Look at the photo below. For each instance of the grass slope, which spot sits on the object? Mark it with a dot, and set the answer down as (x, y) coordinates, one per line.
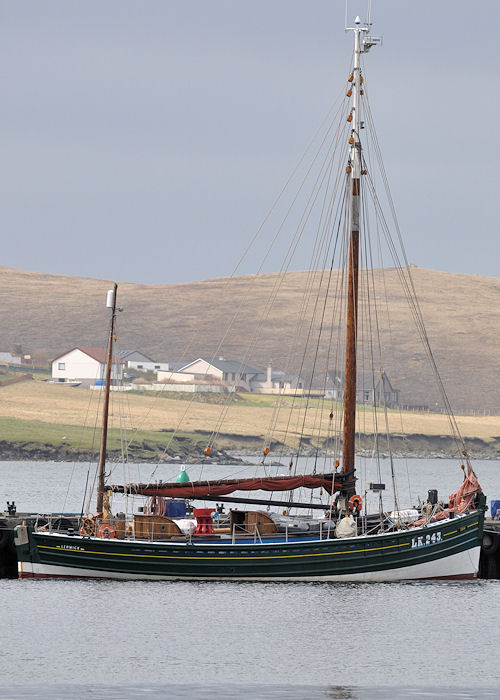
(39, 416)
(52, 313)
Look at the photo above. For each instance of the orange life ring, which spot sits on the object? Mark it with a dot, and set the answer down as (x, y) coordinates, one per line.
(106, 531)
(355, 503)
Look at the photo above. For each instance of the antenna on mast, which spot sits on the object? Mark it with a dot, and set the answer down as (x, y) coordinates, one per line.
(367, 24)
(369, 14)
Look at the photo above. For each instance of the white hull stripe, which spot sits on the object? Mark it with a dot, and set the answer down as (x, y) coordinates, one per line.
(461, 565)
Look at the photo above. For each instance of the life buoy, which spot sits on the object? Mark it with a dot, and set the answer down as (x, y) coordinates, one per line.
(355, 503)
(88, 528)
(107, 532)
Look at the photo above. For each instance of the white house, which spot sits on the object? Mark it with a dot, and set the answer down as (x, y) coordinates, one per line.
(369, 390)
(85, 365)
(230, 372)
(134, 359)
(276, 382)
(233, 373)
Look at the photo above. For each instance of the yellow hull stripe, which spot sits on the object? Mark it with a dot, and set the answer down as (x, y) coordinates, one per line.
(225, 558)
(454, 532)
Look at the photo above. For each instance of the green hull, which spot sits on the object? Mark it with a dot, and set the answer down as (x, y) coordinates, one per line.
(449, 549)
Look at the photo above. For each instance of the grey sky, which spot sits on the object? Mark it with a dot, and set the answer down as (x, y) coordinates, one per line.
(144, 141)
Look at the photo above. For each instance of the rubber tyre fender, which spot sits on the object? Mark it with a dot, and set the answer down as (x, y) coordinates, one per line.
(490, 543)
(4, 534)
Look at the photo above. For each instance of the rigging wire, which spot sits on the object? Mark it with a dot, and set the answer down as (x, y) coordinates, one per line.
(329, 189)
(404, 272)
(230, 325)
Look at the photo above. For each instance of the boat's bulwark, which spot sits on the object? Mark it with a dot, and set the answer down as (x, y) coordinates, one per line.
(447, 550)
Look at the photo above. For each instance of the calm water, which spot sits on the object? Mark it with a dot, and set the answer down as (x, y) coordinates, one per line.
(112, 639)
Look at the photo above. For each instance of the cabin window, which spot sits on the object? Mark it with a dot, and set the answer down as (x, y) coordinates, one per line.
(140, 366)
(61, 365)
(157, 366)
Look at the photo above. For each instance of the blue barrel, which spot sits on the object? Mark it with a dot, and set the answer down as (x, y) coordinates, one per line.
(495, 508)
(176, 509)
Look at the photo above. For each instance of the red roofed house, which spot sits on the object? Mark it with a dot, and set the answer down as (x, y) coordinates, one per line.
(85, 365)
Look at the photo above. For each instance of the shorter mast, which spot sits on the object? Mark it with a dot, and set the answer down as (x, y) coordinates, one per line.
(111, 303)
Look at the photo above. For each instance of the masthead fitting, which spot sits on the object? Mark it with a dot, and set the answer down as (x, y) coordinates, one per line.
(357, 20)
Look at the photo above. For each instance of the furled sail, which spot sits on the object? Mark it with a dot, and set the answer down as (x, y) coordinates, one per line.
(221, 487)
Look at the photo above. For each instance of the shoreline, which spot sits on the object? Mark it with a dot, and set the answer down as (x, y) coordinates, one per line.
(189, 451)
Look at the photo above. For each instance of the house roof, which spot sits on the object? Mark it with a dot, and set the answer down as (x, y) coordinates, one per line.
(98, 354)
(175, 366)
(125, 354)
(226, 366)
(364, 382)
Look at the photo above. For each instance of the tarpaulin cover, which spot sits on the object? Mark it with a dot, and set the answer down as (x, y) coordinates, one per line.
(222, 487)
(459, 501)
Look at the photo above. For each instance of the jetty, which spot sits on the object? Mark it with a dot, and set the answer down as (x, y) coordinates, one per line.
(10, 519)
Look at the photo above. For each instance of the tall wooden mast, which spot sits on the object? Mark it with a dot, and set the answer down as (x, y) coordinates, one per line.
(111, 303)
(362, 43)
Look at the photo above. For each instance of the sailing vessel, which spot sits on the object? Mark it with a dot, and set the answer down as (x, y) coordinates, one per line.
(346, 543)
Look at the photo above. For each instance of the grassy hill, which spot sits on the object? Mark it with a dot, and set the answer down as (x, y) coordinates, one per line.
(52, 313)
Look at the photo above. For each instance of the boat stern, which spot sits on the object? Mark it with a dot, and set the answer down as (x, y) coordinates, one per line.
(26, 550)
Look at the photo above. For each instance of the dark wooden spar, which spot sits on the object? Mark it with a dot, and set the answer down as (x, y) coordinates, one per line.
(105, 411)
(350, 361)
(354, 172)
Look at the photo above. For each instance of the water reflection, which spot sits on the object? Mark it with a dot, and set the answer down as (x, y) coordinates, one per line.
(228, 691)
(339, 692)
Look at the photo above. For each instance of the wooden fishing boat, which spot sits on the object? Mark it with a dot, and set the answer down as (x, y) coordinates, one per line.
(433, 541)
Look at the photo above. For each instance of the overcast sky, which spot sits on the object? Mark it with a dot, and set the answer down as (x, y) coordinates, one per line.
(144, 141)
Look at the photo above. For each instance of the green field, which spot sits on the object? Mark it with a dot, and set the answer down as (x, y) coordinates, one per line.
(37, 417)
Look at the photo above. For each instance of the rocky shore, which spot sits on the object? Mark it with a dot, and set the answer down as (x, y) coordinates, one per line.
(190, 451)
(187, 452)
